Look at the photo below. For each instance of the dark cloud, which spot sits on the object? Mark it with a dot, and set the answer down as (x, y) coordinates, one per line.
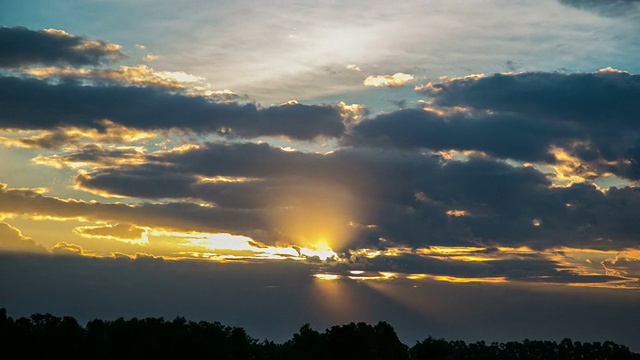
(261, 167)
(612, 8)
(93, 154)
(502, 136)
(297, 121)
(51, 140)
(158, 184)
(406, 195)
(606, 98)
(37, 104)
(20, 47)
(590, 116)
(173, 216)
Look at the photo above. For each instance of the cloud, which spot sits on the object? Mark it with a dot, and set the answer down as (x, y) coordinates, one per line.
(459, 264)
(403, 195)
(12, 240)
(65, 248)
(49, 140)
(395, 80)
(155, 108)
(353, 113)
(138, 75)
(395, 180)
(118, 231)
(501, 202)
(21, 47)
(93, 155)
(500, 135)
(612, 8)
(180, 76)
(548, 118)
(580, 97)
(171, 216)
(622, 265)
(151, 57)
(64, 136)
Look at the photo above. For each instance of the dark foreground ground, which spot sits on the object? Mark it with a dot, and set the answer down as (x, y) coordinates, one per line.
(46, 336)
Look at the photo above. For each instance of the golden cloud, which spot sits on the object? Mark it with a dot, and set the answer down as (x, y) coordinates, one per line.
(395, 80)
(12, 240)
(138, 74)
(65, 248)
(111, 133)
(118, 231)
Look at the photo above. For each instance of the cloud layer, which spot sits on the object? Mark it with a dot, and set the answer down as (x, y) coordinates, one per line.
(38, 104)
(411, 198)
(586, 119)
(505, 170)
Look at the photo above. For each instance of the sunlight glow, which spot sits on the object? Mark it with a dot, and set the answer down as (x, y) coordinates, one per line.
(456, 213)
(328, 277)
(322, 251)
(363, 276)
(454, 249)
(416, 276)
(225, 179)
(456, 279)
(179, 76)
(318, 221)
(223, 246)
(120, 232)
(110, 137)
(569, 169)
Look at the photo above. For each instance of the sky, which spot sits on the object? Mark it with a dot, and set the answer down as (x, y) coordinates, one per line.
(460, 169)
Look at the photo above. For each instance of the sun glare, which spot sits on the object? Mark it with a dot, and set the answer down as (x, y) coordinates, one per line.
(327, 276)
(316, 220)
(322, 251)
(224, 246)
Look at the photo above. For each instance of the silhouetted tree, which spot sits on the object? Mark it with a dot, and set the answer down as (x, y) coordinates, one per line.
(363, 341)
(431, 349)
(48, 336)
(306, 344)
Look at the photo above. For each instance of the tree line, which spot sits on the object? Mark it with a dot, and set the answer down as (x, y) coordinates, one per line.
(43, 336)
